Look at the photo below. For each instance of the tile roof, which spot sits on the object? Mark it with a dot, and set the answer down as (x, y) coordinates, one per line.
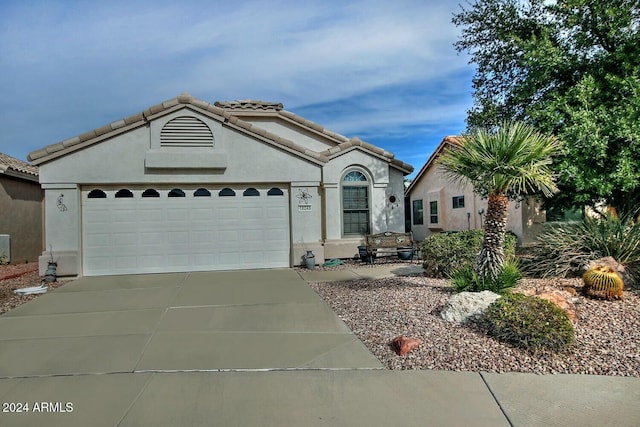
(231, 113)
(446, 141)
(249, 104)
(11, 164)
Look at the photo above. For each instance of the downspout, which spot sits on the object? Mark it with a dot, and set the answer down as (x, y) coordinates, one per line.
(323, 208)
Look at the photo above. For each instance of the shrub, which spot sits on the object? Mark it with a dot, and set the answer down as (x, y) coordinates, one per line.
(563, 247)
(530, 323)
(448, 252)
(466, 279)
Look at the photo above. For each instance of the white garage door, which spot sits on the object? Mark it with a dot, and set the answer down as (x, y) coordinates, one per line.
(184, 228)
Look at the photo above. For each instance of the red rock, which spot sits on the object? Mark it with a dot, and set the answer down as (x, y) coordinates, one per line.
(561, 301)
(403, 345)
(561, 298)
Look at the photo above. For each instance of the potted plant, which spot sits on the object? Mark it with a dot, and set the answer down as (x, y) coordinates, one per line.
(405, 253)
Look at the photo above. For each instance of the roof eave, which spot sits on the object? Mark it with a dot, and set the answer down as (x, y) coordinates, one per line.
(18, 174)
(447, 140)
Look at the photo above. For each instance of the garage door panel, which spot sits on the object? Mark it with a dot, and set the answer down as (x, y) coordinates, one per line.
(200, 214)
(163, 234)
(125, 261)
(149, 261)
(151, 238)
(150, 215)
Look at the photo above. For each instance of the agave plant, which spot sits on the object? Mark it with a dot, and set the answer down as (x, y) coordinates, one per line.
(565, 246)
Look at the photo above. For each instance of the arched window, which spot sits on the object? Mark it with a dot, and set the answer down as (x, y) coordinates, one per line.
(124, 193)
(226, 192)
(356, 215)
(251, 192)
(275, 191)
(97, 194)
(150, 192)
(176, 192)
(202, 192)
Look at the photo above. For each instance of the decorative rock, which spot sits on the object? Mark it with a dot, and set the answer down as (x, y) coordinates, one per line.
(563, 299)
(466, 304)
(403, 345)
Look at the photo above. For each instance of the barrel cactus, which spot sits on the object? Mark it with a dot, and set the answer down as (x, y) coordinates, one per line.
(602, 282)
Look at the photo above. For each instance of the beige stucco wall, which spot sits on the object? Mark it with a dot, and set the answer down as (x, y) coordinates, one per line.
(133, 158)
(382, 180)
(21, 219)
(291, 131)
(525, 219)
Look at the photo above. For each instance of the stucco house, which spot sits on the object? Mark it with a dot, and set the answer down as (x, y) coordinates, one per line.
(21, 206)
(437, 204)
(187, 185)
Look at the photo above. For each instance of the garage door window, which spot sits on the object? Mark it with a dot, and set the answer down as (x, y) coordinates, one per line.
(226, 192)
(202, 192)
(251, 192)
(176, 192)
(275, 192)
(97, 194)
(124, 193)
(150, 192)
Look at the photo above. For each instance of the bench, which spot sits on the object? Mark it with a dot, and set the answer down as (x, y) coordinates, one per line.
(389, 243)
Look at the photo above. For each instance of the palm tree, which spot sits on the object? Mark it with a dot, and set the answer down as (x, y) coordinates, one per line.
(501, 165)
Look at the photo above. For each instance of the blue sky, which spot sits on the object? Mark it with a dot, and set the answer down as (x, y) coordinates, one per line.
(384, 71)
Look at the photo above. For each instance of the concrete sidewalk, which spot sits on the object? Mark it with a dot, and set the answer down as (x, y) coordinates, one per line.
(252, 348)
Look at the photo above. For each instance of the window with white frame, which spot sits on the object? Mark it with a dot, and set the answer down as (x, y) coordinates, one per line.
(355, 204)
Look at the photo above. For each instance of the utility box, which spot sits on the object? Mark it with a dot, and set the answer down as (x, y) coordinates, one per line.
(5, 248)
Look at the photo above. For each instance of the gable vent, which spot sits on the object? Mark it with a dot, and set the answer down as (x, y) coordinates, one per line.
(186, 131)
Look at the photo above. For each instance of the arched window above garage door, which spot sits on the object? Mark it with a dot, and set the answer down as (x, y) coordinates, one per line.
(186, 131)
(275, 191)
(150, 192)
(124, 193)
(251, 192)
(202, 192)
(176, 192)
(97, 194)
(226, 192)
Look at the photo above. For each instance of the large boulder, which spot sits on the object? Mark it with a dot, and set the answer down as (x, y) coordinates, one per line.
(460, 307)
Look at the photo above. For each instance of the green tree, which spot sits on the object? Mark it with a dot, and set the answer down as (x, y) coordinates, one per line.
(503, 164)
(570, 68)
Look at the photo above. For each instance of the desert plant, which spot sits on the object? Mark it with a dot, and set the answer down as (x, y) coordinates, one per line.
(501, 164)
(562, 248)
(467, 279)
(602, 282)
(445, 253)
(4, 259)
(530, 323)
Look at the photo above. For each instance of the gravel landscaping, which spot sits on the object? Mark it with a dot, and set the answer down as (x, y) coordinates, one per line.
(19, 276)
(607, 332)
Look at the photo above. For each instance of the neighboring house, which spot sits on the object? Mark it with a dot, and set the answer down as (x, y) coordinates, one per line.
(437, 204)
(187, 185)
(21, 207)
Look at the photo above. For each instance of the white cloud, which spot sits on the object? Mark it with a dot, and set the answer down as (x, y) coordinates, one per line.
(86, 59)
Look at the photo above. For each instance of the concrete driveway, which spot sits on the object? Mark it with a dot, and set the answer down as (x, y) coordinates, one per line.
(178, 322)
(241, 348)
